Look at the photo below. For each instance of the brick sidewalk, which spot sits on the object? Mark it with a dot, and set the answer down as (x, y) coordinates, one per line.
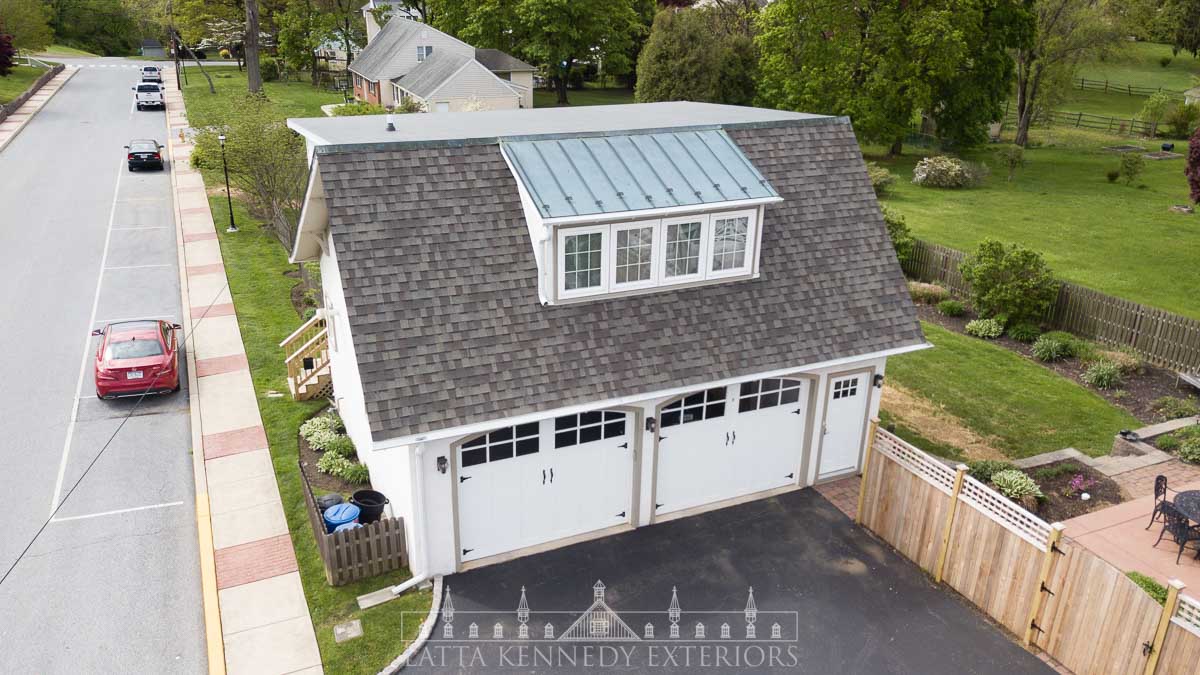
(264, 621)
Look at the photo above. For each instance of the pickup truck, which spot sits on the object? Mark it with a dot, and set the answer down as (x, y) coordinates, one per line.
(149, 95)
(151, 74)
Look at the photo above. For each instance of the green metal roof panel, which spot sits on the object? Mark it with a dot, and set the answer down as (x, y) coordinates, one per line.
(614, 173)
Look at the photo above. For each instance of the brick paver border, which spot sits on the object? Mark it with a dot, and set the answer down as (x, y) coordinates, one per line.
(255, 561)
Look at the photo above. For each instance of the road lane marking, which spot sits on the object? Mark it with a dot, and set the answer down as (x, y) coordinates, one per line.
(136, 267)
(148, 227)
(116, 512)
(87, 346)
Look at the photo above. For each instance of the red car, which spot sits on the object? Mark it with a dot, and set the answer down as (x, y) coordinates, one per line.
(137, 357)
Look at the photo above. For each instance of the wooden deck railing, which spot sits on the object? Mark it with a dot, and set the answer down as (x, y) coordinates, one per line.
(307, 351)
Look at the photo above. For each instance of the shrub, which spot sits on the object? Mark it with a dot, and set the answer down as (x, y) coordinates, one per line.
(355, 473)
(358, 108)
(1012, 280)
(332, 464)
(327, 422)
(929, 294)
(1102, 374)
(1126, 361)
(902, 239)
(1048, 348)
(1013, 158)
(947, 172)
(951, 308)
(1189, 450)
(1024, 332)
(881, 178)
(982, 470)
(1112, 175)
(269, 68)
(7, 54)
(342, 445)
(1153, 111)
(1052, 472)
(224, 53)
(1164, 61)
(1168, 443)
(1152, 587)
(1188, 433)
(988, 329)
(1171, 407)
(1132, 164)
(1183, 119)
(321, 439)
(1014, 484)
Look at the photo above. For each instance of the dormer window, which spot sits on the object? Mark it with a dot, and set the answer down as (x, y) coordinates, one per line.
(424, 52)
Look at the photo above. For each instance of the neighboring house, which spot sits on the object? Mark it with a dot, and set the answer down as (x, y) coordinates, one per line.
(407, 59)
(152, 48)
(560, 323)
(333, 52)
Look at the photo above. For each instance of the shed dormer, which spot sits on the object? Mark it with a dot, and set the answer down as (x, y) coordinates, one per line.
(630, 212)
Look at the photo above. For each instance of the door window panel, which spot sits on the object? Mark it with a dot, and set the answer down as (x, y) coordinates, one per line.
(768, 393)
(702, 405)
(587, 427)
(501, 444)
(845, 388)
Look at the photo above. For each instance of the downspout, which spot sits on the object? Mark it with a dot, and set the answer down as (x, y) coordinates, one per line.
(419, 530)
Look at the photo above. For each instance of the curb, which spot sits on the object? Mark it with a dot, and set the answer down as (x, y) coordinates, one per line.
(213, 635)
(435, 606)
(70, 71)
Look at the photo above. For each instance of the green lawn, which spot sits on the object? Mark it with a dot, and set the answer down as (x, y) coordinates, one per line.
(255, 263)
(18, 81)
(1099, 103)
(294, 99)
(1027, 409)
(544, 98)
(1137, 63)
(63, 50)
(1115, 238)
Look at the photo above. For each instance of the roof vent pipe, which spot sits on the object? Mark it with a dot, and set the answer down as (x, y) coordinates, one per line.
(391, 119)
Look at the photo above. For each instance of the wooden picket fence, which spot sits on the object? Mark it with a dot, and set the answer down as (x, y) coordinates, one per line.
(1165, 339)
(357, 553)
(1020, 570)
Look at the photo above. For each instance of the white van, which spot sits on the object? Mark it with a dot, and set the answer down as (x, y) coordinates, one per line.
(149, 95)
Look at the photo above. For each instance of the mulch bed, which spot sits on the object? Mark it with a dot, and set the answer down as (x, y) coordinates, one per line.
(1058, 505)
(1136, 394)
(321, 483)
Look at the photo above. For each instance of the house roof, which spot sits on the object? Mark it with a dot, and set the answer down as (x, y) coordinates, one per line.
(500, 62)
(432, 73)
(382, 58)
(634, 171)
(441, 285)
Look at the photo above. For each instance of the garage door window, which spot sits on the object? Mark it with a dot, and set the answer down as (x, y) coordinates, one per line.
(702, 405)
(768, 393)
(587, 427)
(501, 444)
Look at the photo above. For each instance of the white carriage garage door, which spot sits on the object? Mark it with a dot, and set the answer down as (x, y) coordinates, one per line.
(728, 442)
(534, 483)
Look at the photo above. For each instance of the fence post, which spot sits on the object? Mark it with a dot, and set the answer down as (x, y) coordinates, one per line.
(1174, 586)
(1056, 533)
(862, 487)
(960, 474)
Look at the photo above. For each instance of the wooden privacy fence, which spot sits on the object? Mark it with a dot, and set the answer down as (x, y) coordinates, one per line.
(1165, 339)
(357, 553)
(1020, 570)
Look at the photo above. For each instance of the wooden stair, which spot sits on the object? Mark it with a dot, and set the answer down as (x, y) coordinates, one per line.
(307, 360)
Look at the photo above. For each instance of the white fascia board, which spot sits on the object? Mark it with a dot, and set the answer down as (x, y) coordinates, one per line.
(307, 134)
(630, 400)
(664, 212)
(313, 209)
(538, 232)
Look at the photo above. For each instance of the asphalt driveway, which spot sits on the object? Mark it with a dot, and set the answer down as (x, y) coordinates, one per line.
(843, 603)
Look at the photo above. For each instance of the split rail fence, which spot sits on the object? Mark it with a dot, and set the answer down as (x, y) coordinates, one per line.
(1165, 339)
(358, 553)
(1131, 126)
(1123, 88)
(1020, 570)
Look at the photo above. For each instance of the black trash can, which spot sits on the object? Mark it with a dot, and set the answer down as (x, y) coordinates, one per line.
(370, 503)
(326, 501)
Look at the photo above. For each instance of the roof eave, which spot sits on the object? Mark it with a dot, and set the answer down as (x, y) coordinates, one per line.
(314, 220)
(662, 212)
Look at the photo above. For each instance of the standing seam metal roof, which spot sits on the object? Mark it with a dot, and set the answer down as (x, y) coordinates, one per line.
(631, 171)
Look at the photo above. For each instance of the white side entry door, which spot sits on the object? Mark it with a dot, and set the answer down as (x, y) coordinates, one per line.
(845, 422)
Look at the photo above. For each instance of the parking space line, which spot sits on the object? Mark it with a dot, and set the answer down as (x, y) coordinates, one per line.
(87, 346)
(147, 227)
(136, 267)
(116, 512)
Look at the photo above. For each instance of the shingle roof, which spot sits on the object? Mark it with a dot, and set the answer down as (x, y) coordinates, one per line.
(380, 60)
(442, 299)
(634, 171)
(432, 72)
(498, 61)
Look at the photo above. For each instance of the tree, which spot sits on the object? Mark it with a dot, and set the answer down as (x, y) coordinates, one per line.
(348, 24)
(6, 54)
(302, 30)
(1012, 157)
(1183, 18)
(1068, 31)
(105, 27)
(691, 56)
(492, 24)
(1155, 109)
(253, 73)
(1011, 280)
(561, 33)
(1192, 170)
(27, 23)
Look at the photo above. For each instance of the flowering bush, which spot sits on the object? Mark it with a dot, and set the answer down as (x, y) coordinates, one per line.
(1079, 483)
(1014, 484)
(948, 172)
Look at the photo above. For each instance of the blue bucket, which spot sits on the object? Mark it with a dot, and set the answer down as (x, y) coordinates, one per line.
(347, 526)
(340, 514)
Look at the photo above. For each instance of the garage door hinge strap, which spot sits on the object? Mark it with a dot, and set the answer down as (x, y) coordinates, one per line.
(462, 478)
(467, 550)
(658, 506)
(1033, 625)
(1046, 590)
(621, 515)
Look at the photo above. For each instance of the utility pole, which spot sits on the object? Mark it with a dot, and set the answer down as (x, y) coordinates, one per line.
(174, 43)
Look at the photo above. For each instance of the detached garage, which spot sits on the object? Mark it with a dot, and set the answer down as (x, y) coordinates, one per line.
(550, 325)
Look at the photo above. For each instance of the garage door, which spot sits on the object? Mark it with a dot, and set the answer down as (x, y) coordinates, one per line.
(534, 483)
(728, 442)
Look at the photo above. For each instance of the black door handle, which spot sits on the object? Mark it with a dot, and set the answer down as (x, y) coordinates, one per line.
(735, 438)
(543, 476)
(727, 438)
(551, 474)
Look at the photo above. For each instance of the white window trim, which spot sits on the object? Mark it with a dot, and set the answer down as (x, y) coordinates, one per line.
(702, 266)
(605, 261)
(655, 248)
(751, 216)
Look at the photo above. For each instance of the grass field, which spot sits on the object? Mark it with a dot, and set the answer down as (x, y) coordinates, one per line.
(544, 98)
(255, 263)
(1137, 63)
(294, 99)
(1026, 409)
(1116, 238)
(63, 50)
(18, 81)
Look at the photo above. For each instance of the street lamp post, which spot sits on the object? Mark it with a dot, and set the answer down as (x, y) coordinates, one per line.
(228, 197)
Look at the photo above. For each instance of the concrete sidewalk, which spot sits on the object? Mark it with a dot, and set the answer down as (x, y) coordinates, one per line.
(13, 124)
(249, 565)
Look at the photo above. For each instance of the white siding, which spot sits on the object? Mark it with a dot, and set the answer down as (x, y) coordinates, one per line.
(343, 366)
(525, 81)
(406, 57)
(475, 81)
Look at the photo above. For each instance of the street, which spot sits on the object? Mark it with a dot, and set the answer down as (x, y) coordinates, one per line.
(112, 582)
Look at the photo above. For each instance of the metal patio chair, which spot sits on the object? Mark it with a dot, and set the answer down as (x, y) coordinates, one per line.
(1180, 529)
(1160, 498)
